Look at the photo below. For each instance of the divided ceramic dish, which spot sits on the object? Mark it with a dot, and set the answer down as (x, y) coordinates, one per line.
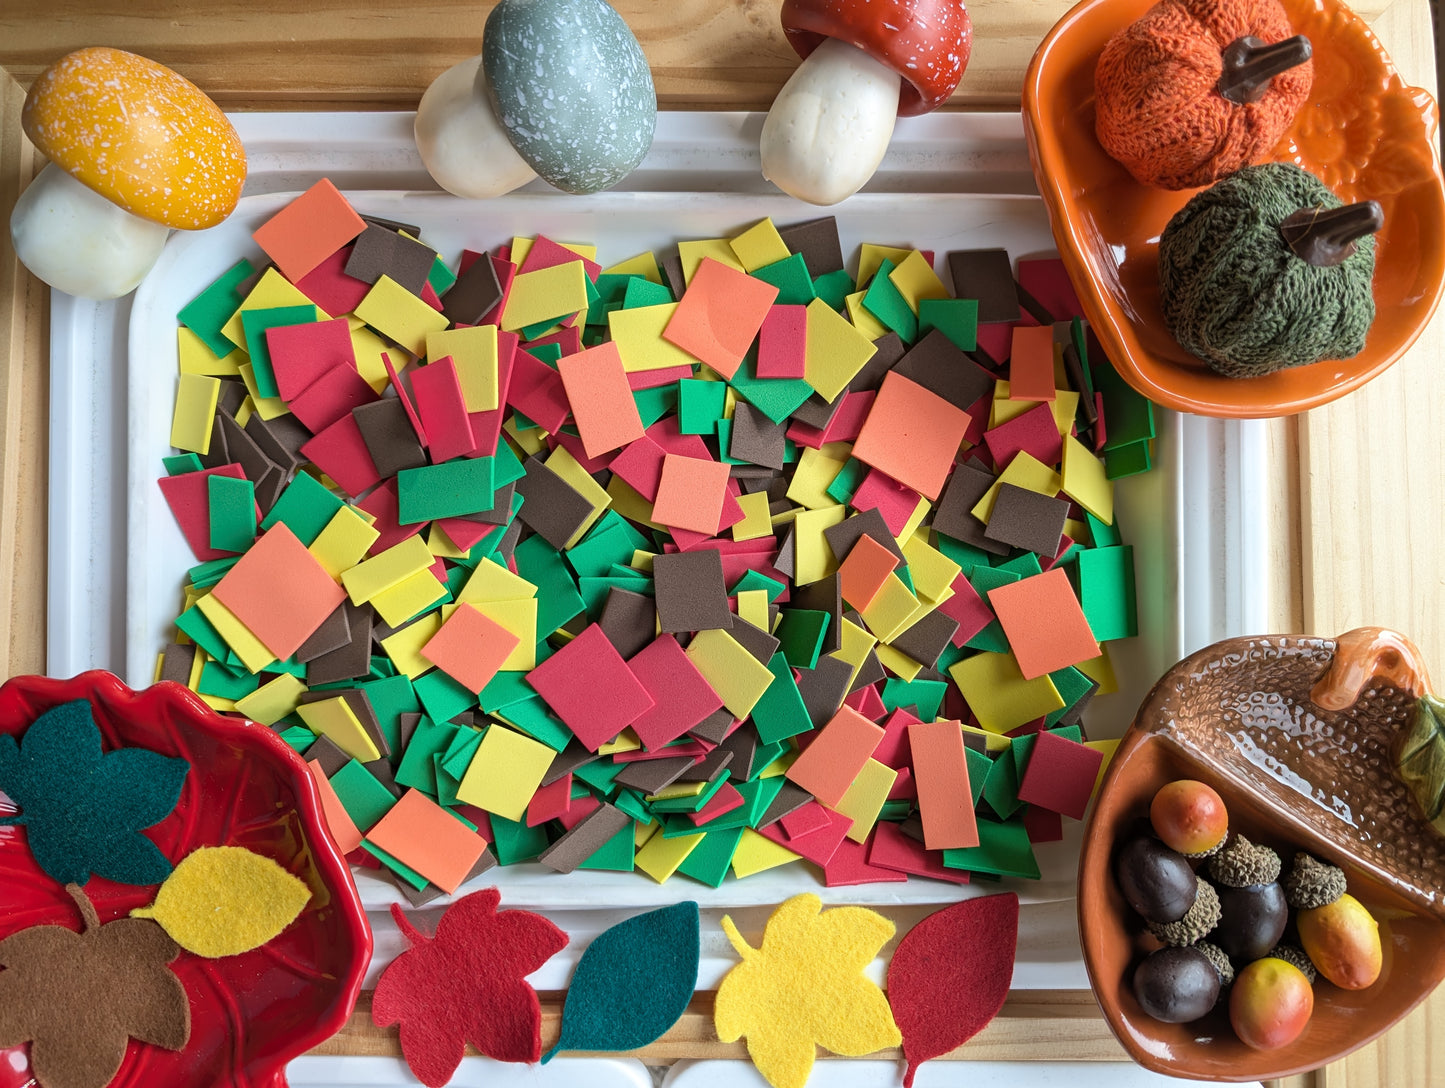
(1365, 133)
(1248, 716)
(251, 1013)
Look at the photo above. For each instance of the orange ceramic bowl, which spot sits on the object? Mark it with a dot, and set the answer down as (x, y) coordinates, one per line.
(1240, 716)
(1363, 132)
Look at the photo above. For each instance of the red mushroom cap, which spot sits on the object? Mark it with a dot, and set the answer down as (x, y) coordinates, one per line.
(926, 42)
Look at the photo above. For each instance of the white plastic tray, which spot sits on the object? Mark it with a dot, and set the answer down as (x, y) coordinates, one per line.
(949, 181)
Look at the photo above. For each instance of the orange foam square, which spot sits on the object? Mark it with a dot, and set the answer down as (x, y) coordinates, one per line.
(601, 398)
(690, 494)
(864, 570)
(308, 230)
(911, 434)
(280, 591)
(719, 315)
(1044, 623)
(1031, 363)
(940, 773)
(338, 821)
(421, 834)
(470, 647)
(827, 767)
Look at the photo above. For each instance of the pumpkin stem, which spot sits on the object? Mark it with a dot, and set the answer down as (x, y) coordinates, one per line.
(1250, 63)
(1324, 237)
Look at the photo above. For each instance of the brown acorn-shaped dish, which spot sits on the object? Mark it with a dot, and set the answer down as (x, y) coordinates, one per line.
(1331, 746)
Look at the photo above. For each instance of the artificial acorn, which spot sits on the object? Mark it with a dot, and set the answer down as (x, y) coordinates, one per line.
(1198, 921)
(1313, 883)
(1295, 955)
(1252, 908)
(1266, 270)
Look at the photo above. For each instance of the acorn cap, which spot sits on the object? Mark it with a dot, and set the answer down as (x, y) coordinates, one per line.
(1313, 883)
(1294, 955)
(1219, 959)
(1200, 855)
(140, 135)
(1242, 863)
(1199, 921)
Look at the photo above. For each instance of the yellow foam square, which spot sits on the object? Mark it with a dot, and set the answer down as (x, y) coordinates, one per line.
(737, 676)
(889, 610)
(866, 324)
(815, 471)
(387, 569)
(814, 559)
(1002, 409)
(245, 411)
(640, 560)
(626, 741)
(932, 571)
(343, 543)
(530, 440)
(676, 790)
(1066, 406)
(638, 333)
(780, 765)
(474, 354)
(491, 581)
(993, 742)
(217, 703)
(441, 545)
(854, 645)
(408, 597)
(1101, 669)
(644, 265)
(334, 719)
(520, 618)
(661, 856)
(915, 279)
(195, 412)
(238, 636)
(404, 646)
(863, 800)
(1084, 481)
(998, 694)
(759, 246)
(580, 480)
(642, 832)
(393, 311)
(504, 773)
(194, 357)
(273, 700)
(898, 663)
(756, 853)
(266, 407)
(1107, 749)
(271, 290)
(834, 350)
(757, 520)
(1025, 471)
(627, 502)
(367, 347)
(753, 607)
(545, 293)
(871, 257)
(692, 253)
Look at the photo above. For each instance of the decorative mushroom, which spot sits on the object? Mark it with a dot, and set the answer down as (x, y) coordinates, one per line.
(135, 150)
(561, 89)
(1266, 270)
(865, 62)
(1196, 89)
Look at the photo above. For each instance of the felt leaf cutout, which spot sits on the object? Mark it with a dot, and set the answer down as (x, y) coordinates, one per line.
(225, 900)
(633, 982)
(805, 985)
(467, 985)
(951, 974)
(82, 808)
(77, 998)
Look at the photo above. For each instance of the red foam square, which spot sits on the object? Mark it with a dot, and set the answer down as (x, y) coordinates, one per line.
(1043, 622)
(892, 849)
(681, 697)
(188, 496)
(1048, 281)
(1036, 432)
(719, 314)
(487, 426)
(893, 749)
(551, 802)
(895, 502)
(443, 410)
(308, 230)
(848, 420)
(341, 453)
(1060, 775)
(537, 392)
(300, 354)
(331, 288)
(850, 866)
(279, 591)
(804, 821)
(968, 608)
(591, 688)
(911, 434)
(640, 466)
(725, 800)
(783, 342)
(332, 395)
(868, 702)
(545, 253)
(381, 504)
(690, 494)
(470, 647)
(816, 846)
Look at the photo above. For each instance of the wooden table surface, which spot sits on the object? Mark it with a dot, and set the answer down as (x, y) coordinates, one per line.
(1357, 534)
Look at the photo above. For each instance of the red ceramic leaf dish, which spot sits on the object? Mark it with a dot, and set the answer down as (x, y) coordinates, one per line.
(1365, 133)
(250, 1014)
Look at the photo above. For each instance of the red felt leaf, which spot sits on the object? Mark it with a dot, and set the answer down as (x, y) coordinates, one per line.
(951, 974)
(467, 985)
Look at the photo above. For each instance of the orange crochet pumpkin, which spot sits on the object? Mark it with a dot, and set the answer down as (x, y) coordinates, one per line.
(1197, 89)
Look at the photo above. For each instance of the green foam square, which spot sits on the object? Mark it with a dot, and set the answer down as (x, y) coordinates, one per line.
(800, 635)
(365, 799)
(447, 490)
(1107, 592)
(441, 277)
(1022, 748)
(691, 804)
(225, 683)
(532, 717)
(616, 854)
(211, 571)
(231, 504)
(1128, 416)
(611, 290)
(1003, 849)
(641, 291)
(548, 353)
(459, 753)
(754, 580)
(557, 598)
(631, 802)
(599, 774)
(447, 784)
(178, 464)
(390, 698)
(776, 398)
(513, 841)
(255, 323)
(298, 738)
(956, 318)
(1072, 685)
(926, 695)
(1128, 460)
(834, 288)
(979, 766)
(725, 443)
(780, 712)
(709, 860)
(443, 697)
(1101, 534)
(195, 626)
(653, 404)
(1025, 565)
(790, 277)
(417, 771)
(207, 313)
(700, 405)
(965, 555)
(397, 866)
(504, 689)
(886, 303)
(306, 507)
(848, 480)
(1001, 787)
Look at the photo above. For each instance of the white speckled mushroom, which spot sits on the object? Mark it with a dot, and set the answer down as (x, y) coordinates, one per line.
(865, 62)
(135, 151)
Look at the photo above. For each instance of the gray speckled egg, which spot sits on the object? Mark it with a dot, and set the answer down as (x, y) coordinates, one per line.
(571, 87)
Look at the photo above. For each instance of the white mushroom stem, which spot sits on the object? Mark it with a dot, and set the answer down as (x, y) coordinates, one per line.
(830, 124)
(78, 242)
(462, 143)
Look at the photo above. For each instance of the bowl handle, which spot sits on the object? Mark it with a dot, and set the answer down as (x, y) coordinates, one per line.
(1370, 654)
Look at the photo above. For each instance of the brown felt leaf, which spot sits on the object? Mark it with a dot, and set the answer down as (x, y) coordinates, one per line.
(78, 997)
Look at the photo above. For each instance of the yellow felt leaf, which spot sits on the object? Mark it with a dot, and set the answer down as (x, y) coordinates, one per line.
(225, 900)
(805, 985)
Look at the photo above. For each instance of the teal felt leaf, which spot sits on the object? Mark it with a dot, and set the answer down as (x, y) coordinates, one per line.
(82, 808)
(633, 982)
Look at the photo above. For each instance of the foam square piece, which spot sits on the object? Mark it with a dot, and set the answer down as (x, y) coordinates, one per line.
(437, 391)
(682, 697)
(986, 275)
(601, 398)
(864, 571)
(545, 294)
(505, 771)
(393, 311)
(302, 353)
(691, 592)
(279, 591)
(1060, 775)
(999, 695)
(1031, 364)
(1085, 481)
(940, 366)
(738, 677)
(690, 494)
(940, 771)
(911, 435)
(470, 647)
(308, 230)
(782, 342)
(590, 687)
(719, 314)
(1035, 431)
(338, 392)
(1025, 519)
(427, 838)
(378, 251)
(1044, 623)
(836, 351)
(828, 766)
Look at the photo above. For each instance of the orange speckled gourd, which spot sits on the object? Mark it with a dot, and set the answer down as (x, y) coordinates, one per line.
(1158, 110)
(139, 134)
